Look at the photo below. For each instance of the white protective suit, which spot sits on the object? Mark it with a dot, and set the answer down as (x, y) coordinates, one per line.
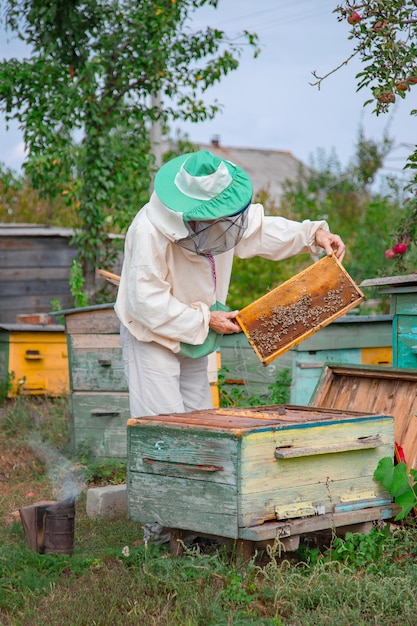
(165, 295)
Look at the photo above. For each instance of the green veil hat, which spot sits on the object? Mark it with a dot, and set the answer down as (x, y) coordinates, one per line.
(203, 187)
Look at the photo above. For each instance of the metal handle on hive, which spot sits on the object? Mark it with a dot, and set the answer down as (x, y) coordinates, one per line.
(186, 466)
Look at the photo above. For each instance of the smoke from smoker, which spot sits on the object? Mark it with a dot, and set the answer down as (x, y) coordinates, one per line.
(68, 480)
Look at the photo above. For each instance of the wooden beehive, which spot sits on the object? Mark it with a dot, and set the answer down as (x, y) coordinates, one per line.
(35, 263)
(33, 359)
(99, 399)
(301, 306)
(403, 306)
(230, 472)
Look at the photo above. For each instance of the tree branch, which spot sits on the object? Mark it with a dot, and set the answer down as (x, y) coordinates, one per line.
(321, 78)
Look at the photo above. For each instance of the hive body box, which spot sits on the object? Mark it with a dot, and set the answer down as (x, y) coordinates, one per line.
(229, 472)
(404, 310)
(34, 359)
(403, 307)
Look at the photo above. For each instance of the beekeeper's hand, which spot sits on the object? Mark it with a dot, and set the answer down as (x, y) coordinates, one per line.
(330, 243)
(224, 322)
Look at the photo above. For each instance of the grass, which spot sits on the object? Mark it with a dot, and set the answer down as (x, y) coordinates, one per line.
(113, 578)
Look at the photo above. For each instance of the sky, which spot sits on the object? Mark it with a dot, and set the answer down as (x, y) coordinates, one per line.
(269, 102)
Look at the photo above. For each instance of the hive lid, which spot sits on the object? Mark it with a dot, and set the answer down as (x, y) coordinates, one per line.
(382, 281)
(239, 420)
(32, 328)
(301, 306)
(377, 389)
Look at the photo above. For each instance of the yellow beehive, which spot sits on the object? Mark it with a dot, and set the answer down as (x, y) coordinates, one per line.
(34, 359)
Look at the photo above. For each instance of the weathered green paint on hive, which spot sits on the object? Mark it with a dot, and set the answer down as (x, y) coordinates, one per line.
(196, 505)
(403, 300)
(184, 476)
(171, 449)
(96, 363)
(405, 341)
(218, 482)
(98, 421)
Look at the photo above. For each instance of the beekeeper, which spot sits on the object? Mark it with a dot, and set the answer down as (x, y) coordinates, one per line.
(175, 278)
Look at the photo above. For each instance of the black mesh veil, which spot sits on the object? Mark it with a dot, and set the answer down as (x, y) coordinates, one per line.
(215, 236)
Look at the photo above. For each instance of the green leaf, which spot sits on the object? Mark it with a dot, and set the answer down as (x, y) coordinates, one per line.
(397, 480)
(400, 480)
(407, 502)
(394, 478)
(384, 472)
